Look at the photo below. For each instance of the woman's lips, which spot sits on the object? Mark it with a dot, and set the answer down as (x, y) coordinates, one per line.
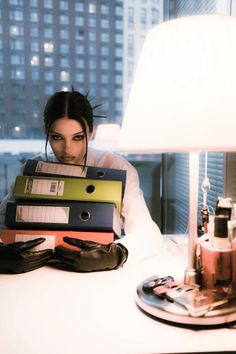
(67, 158)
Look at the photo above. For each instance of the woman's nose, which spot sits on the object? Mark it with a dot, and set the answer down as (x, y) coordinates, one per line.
(67, 146)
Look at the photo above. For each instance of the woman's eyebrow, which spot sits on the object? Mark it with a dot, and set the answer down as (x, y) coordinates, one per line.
(55, 132)
(81, 132)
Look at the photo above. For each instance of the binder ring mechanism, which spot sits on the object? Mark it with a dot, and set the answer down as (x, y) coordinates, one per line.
(90, 188)
(100, 173)
(85, 215)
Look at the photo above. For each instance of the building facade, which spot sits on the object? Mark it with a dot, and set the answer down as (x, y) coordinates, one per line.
(51, 45)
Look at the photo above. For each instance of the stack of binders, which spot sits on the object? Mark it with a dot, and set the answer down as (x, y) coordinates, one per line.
(54, 200)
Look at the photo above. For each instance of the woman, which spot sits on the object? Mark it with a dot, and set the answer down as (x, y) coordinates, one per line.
(68, 122)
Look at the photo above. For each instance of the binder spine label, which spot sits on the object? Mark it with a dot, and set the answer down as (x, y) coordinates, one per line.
(44, 186)
(59, 169)
(43, 214)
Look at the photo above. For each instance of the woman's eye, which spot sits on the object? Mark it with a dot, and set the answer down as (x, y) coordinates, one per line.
(56, 137)
(78, 137)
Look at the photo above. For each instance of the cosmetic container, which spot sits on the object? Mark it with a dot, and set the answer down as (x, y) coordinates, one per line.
(220, 239)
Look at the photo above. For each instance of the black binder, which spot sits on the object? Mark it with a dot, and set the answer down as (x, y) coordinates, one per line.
(84, 216)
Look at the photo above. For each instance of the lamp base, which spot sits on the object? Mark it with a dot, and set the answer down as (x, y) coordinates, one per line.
(172, 312)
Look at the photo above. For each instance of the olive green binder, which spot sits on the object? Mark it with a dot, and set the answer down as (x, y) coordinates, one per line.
(60, 188)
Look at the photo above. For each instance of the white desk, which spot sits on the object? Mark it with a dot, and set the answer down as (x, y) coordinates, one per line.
(57, 312)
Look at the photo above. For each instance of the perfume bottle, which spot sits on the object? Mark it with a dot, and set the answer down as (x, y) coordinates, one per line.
(220, 238)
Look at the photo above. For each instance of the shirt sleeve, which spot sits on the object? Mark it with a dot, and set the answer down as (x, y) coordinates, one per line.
(143, 237)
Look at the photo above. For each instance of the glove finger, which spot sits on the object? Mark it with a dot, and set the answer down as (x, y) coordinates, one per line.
(24, 246)
(80, 243)
(38, 255)
(123, 254)
(37, 263)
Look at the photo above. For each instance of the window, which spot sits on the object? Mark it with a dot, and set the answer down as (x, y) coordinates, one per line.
(64, 76)
(16, 15)
(17, 74)
(16, 30)
(64, 63)
(17, 59)
(34, 16)
(48, 33)
(17, 44)
(34, 46)
(48, 75)
(48, 47)
(48, 61)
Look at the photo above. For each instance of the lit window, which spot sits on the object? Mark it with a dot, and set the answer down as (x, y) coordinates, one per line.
(64, 88)
(64, 76)
(16, 30)
(92, 8)
(34, 61)
(48, 47)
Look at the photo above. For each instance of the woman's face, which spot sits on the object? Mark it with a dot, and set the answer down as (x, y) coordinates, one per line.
(68, 140)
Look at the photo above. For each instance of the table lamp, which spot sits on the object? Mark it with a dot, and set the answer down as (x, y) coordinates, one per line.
(183, 99)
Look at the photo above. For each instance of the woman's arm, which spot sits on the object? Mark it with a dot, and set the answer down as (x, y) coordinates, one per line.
(143, 237)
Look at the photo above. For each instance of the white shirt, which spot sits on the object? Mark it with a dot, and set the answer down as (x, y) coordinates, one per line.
(142, 235)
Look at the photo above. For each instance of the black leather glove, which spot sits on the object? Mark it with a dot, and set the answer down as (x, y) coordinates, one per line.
(90, 257)
(17, 257)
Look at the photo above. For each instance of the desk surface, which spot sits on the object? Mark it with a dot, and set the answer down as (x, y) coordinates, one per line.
(57, 312)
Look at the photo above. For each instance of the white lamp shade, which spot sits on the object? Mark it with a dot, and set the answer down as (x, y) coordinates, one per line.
(184, 92)
(106, 137)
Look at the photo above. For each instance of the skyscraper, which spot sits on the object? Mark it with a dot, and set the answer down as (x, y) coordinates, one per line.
(50, 45)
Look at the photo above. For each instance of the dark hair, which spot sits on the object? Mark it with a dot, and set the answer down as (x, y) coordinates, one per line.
(71, 104)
